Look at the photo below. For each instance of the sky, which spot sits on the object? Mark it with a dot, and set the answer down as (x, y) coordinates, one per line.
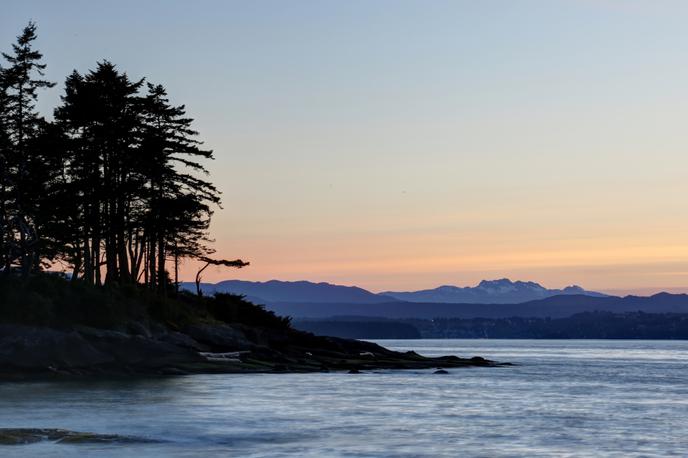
(400, 145)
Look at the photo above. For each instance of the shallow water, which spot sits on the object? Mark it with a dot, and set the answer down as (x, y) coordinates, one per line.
(565, 398)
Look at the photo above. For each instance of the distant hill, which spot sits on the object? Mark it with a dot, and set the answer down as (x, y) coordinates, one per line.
(292, 291)
(554, 307)
(503, 291)
(585, 325)
(303, 299)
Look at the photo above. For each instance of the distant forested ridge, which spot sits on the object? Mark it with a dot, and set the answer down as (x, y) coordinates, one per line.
(587, 325)
(553, 307)
(112, 190)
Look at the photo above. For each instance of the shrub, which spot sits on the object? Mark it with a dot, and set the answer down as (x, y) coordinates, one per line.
(50, 299)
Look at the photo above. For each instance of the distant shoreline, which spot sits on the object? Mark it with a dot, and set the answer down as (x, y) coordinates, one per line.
(587, 325)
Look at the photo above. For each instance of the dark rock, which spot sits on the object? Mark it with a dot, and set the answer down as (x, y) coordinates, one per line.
(20, 436)
(138, 329)
(181, 340)
(202, 348)
(34, 347)
(354, 371)
(440, 371)
(219, 337)
(173, 371)
(140, 351)
(42, 349)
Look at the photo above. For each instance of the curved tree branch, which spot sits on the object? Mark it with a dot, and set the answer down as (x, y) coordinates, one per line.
(237, 263)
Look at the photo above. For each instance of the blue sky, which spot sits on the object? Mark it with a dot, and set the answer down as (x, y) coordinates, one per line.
(406, 144)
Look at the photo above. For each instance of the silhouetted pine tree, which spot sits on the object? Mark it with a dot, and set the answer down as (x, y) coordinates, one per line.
(6, 256)
(99, 114)
(180, 199)
(21, 80)
(114, 187)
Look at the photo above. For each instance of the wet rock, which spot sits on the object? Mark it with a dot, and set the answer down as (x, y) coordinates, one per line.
(86, 351)
(138, 351)
(173, 371)
(354, 371)
(46, 348)
(138, 329)
(181, 340)
(219, 337)
(440, 371)
(480, 361)
(202, 348)
(20, 436)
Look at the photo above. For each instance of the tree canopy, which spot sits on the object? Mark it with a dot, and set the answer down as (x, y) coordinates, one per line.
(113, 188)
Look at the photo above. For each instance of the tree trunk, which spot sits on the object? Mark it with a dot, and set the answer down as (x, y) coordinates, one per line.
(176, 269)
(162, 281)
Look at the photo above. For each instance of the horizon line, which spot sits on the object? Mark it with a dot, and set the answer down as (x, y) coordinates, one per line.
(640, 291)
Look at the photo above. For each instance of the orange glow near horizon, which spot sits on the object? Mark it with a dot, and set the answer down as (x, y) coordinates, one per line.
(603, 264)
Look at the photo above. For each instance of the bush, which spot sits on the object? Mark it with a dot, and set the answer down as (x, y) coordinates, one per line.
(50, 299)
(233, 308)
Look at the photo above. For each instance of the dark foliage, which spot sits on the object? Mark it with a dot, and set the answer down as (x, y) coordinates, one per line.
(114, 190)
(587, 325)
(232, 308)
(50, 299)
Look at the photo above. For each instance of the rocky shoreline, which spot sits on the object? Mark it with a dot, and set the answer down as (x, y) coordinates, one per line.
(35, 351)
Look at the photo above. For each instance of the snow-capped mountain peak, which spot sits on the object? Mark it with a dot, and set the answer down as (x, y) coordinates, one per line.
(500, 291)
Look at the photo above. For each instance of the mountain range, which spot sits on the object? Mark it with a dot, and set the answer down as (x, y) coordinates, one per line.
(489, 299)
(291, 291)
(503, 291)
(551, 307)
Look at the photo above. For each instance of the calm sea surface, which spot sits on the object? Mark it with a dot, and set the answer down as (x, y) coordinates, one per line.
(565, 398)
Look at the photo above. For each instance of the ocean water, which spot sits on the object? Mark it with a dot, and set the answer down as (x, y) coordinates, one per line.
(564, 398)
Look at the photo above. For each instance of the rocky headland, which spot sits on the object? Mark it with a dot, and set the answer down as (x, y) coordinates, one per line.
(52, 327)
(200, 348)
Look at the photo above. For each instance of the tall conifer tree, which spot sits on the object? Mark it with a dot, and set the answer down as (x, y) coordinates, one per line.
(21, 79)
(115, 187)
